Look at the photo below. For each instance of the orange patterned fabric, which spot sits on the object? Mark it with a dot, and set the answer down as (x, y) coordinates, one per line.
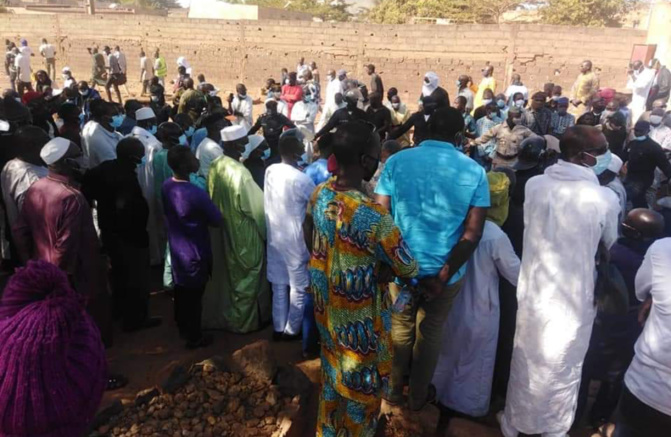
(352, 237)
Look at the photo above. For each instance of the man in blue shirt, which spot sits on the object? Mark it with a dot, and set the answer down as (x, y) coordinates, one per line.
(441, 215)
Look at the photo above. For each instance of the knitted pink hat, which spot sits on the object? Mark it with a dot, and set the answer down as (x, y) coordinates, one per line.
(52, 361)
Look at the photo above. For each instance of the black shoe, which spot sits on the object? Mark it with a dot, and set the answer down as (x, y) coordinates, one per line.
(278, 336)
(287, 337)
(430, 398)
(149, 322)
(204, 341)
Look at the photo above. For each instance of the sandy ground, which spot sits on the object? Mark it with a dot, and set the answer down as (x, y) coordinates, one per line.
(148, 357)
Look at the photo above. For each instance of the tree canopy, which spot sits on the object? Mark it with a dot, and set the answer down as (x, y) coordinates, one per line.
(152, 4)
(567, 12)
(327, 11)
(586, 12)
(459, 11)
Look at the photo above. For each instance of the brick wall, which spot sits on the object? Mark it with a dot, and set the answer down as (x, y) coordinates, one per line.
(228, 52)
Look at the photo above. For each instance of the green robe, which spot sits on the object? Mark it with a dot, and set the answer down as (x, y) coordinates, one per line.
(237, 298)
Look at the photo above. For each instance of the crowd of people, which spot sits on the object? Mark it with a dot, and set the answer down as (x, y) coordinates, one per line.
(499, 246)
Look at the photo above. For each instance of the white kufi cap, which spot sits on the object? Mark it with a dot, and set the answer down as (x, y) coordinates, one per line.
(144, 114)
(54, 150)
(232, 133)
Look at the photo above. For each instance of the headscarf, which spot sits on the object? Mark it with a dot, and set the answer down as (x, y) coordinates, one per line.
(499, 194)
(434, 82)
(52, 360)
(607, 94)
(182, 62)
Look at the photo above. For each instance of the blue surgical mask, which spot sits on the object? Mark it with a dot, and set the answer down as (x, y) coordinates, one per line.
(189, 132)
(266, 153)
(602, 163)
(501, 103)
(183, 140)
(152, 130)
(142, 163)
(641, 138)
(117, 120)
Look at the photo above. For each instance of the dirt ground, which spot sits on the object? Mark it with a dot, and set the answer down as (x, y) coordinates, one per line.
(147, 358)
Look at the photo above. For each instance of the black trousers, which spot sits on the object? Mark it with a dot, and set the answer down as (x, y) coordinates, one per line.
(130, 280)
(636, 191)
(610, 352)
(188, 311)
(636, 419)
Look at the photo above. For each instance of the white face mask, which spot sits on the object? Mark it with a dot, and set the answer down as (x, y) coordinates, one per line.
(486, 102)
(656, 119)
(519, 103)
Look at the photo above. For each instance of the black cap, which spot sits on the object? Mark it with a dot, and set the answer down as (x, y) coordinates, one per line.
(531, 151)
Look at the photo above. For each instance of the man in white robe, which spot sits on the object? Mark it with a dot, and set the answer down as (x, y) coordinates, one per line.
(286, 193)
(567, 215)
(335, 85)
(241, 106)
(99, 139)
(210, 148)
(463, 376)
(144, 131)
(640, 82)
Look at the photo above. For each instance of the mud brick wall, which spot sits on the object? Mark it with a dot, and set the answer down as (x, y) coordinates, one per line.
(228, 52)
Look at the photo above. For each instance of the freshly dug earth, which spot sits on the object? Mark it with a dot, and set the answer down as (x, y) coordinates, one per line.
(211, 403)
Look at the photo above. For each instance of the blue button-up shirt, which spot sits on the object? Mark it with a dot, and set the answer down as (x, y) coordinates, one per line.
(432, 187)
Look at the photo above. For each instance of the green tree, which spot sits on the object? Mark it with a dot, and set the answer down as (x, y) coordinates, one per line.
(458, 11)
(152, 4)
(586, 12)
(326, 10)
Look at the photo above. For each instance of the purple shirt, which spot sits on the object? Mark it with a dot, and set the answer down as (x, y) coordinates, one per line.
(188, 214)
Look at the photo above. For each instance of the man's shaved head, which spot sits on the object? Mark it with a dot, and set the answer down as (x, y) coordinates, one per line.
(643, 224)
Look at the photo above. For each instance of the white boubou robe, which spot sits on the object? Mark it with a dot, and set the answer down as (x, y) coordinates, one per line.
(640, 88)
(145, 173)
(463, 376)
(566, 215)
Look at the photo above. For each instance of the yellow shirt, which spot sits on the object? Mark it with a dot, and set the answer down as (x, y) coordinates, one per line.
(486, 83)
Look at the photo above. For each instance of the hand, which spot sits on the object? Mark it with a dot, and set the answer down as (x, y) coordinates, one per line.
(644, 312)
(576, 102)
(229, 99)
(431, 287)
(444, 274)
